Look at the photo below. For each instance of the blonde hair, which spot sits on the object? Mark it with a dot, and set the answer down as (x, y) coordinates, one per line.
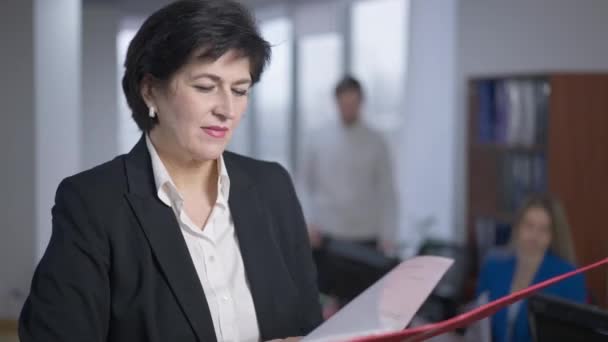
(561, 241)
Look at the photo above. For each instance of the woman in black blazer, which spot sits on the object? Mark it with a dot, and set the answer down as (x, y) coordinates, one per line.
(178, 240)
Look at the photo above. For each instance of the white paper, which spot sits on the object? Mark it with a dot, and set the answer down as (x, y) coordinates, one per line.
(388, 305)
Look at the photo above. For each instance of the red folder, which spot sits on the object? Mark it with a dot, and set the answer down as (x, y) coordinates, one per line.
(427, 331)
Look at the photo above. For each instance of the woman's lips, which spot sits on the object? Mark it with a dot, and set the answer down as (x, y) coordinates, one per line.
(216, 131)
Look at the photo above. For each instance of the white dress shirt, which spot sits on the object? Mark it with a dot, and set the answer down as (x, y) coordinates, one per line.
(346, 183)
(216, 256)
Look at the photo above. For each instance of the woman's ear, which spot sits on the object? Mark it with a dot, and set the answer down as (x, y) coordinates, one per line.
(146, 89)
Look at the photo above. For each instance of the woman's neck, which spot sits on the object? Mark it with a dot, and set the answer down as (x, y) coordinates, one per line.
(529, 260)
(188, 174)
(526, 268)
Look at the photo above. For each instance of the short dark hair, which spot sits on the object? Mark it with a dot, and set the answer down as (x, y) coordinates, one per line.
(169, 37)
(348, 83)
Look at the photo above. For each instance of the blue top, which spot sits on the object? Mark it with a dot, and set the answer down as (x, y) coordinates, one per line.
(496, 278)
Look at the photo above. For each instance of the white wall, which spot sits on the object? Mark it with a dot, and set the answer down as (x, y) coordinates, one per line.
(57, 87)
(55, 122)
(17, 187)
(100, 126)
(496, 36)
(427, 138)
(532, 35)
(326, 16)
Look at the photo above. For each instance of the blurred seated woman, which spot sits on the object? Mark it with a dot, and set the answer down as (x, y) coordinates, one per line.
(541, 249)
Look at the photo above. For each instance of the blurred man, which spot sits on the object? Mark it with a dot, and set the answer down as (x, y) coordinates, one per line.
(346, 178)
(348, 195)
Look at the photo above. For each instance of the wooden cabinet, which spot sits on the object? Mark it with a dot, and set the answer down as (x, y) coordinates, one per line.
(568, 159)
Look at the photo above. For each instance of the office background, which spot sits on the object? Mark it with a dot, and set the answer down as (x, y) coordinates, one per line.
(63, 110)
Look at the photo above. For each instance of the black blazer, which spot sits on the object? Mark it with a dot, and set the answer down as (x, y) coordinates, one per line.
(117, 267)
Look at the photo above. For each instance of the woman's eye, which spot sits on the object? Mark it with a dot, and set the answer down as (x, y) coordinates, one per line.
(240, 92)
(204, 88)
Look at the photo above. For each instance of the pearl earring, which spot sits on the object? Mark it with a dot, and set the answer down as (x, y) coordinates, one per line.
(151, 113)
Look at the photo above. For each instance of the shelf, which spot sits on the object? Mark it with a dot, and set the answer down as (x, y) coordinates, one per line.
(503, 216)
(509, 148)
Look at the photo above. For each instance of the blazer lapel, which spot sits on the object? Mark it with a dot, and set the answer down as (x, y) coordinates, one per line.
(261, 255)
(163, 233)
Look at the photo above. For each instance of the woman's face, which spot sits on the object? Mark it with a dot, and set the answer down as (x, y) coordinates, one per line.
(534, 231)
(200, 107)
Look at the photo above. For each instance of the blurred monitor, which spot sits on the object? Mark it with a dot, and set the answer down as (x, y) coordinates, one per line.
(354, 268)
(555, 319)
